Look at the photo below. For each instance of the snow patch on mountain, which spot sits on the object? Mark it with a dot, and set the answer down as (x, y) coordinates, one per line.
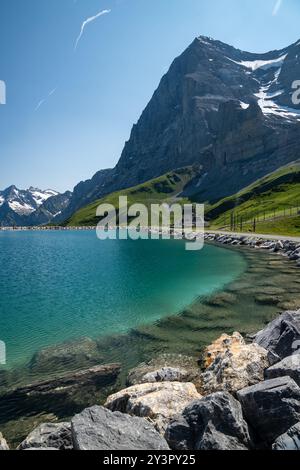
(41, 196)
(261, 64)
(268, 106)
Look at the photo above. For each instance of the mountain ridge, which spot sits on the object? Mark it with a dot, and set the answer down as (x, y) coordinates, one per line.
(225, 110)
(31, 206)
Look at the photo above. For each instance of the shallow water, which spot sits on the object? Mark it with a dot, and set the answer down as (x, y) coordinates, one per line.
(266, 285)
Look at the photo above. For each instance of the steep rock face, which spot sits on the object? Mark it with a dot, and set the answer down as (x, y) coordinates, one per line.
(227, 110)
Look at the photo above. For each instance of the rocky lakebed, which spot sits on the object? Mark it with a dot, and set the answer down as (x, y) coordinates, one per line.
(243, 395)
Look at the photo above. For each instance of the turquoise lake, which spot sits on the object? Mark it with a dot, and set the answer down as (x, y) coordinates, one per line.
(58, 286)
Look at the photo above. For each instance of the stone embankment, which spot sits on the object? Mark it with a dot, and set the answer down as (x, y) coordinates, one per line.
(241, 395)
(285, 247)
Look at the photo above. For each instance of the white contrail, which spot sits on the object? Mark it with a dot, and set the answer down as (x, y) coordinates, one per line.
(277, 7)
(44, 99)
(86, 22)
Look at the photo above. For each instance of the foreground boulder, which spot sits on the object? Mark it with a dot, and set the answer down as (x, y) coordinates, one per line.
(49, 435)
(290, 440)
(213, 423)
(165, 368)
(3, 443)
(159, 402)
(271, 407)
(281, 336)
(290, 366)
(233, 365)
(97, 428)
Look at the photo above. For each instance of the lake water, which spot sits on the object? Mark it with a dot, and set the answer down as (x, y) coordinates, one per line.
(58, 286)
(135, 300)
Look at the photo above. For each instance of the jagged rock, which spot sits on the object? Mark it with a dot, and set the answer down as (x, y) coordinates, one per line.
(220, 346)
(271, 407)
(213, 423)
(79, 353)
(290, 366)
(98, 428)
(290, 440)
(159, 402)
(281, 336)
(235, 365)
(180, 368)
(3, 443)
(49, 435)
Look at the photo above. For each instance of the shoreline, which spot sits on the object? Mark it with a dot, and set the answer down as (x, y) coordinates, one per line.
(207, 232)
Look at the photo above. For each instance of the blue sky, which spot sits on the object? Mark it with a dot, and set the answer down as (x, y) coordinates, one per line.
(68, 111)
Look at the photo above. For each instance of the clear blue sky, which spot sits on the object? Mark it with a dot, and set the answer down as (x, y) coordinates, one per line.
(103, 86)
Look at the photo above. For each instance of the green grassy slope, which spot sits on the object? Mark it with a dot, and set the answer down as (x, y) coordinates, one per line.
(270, 205)
(157, 191)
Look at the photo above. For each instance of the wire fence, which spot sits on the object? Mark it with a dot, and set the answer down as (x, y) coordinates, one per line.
(240, 220)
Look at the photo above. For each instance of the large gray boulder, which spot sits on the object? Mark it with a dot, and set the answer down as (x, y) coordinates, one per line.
(290, 440)
(290, 366)
(98, 428)
(49, 435)
(213, 423)
(3, 443)
(281, 336)
(271, 407)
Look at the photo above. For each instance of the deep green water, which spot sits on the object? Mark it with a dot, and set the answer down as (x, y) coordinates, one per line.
(58, 286)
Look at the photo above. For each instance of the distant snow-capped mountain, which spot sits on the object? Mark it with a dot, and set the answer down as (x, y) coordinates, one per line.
(32, 206)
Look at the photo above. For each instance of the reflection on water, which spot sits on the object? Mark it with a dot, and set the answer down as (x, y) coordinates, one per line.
(269, 285)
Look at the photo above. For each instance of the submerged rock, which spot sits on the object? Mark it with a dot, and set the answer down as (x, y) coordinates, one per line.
(49, 435)
(281, 336)
(98, 428)
(103, 375)
(3, 443)
(221, 299)
(213, 423)
(165, 368)
(234, 365)
(290, 366)
(159, 402)
(290, 440)
(271, 407)
(80, 353)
